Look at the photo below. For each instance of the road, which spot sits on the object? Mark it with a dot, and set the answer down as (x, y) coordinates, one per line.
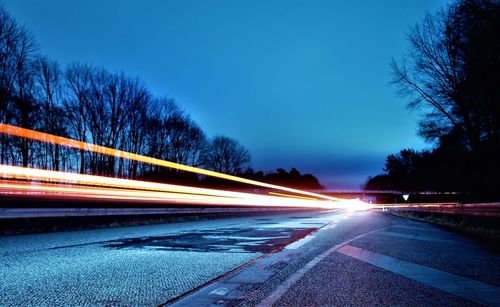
(336, 258)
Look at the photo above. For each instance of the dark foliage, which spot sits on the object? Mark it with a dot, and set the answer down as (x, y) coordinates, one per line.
(443, 169)
(451, 74)
(290, 179)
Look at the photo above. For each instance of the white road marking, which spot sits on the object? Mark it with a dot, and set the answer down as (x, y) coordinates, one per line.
(300, 242)
(331, 225)
(470, 289)
(220, 291)
(280, 291)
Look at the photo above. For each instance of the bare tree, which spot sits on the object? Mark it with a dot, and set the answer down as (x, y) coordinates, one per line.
(172, 135)
(135, 133)
(429, 74)
(226, 155)
(94, 105)
(451, 74)
(104, 106)
(17, 104)
(436, 72)
(157, 132)
(197, 145)
(9, 38)
(49, 79)
(79, 92)
(25, 104)
(186, 140)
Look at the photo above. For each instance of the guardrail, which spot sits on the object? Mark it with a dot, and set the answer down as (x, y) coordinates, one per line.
(479, 209)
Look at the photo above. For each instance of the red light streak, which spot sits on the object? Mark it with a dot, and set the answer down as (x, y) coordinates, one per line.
(62, 141)
(78, 186)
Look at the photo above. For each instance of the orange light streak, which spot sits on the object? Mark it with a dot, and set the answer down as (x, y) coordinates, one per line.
(15, 172)
(89, 186)
(62, 141)
(292, 196)
(86, 192)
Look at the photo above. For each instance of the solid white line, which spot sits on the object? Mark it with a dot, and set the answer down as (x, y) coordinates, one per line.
(280, 291)
(473, 290)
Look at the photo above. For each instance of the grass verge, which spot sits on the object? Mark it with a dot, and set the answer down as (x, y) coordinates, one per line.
(483, 228)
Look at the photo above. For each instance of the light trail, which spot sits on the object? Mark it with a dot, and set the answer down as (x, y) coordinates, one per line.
(15, 172)
(81, 186)
(67, 142)
(292, 196)
(99, 187)
(158, 197)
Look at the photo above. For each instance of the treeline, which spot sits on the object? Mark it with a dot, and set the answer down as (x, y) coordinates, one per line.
(444, 169)
(290, 179)
(451, 73)
(94, 105)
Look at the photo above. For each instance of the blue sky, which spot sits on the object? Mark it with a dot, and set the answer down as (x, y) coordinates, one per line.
(301, 84)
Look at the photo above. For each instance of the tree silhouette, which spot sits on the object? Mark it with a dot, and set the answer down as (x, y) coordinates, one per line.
(451, 74)
(94, 105)
(226, 155)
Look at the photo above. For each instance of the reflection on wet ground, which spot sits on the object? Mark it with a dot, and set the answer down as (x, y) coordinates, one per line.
(233, 240)
(140, 265)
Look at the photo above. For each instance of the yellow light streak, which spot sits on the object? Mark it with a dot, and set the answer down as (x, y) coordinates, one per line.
(86, 192)
(15, 172)
(292, 196)
(77, 192)
(67, 142)
(143, 189)
(89, 186)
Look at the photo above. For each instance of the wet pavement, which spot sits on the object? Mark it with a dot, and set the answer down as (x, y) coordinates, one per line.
(141, 265)
(315, 259)
(230, 240)
(364, 259)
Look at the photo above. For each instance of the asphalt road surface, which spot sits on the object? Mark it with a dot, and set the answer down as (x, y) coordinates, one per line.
(360, 258)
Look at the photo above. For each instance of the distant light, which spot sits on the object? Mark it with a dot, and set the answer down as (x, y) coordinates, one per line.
(62, 141)
(116, 188)
(78, 186)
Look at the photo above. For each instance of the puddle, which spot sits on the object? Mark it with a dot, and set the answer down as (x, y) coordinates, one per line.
(232, 240)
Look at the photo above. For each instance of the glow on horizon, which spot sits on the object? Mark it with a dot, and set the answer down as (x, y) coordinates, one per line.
(75, 185)
(79, 186)
(71, 143)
